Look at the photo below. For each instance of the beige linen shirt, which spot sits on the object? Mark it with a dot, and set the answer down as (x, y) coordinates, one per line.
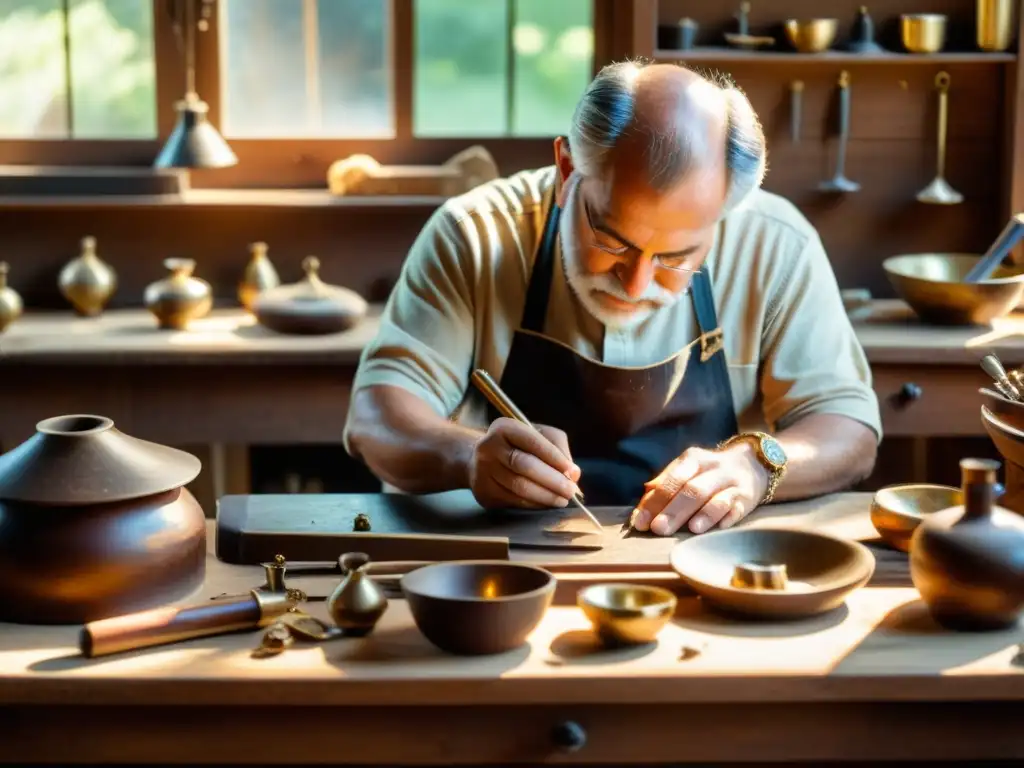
(789, 345)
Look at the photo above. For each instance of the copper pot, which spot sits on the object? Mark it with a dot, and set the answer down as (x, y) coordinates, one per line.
(95, 523)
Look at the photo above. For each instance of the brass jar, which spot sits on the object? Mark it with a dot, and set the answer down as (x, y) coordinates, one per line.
(357, 603)
(87, 282)
(179, 298)
(10, 301)
(258, 277)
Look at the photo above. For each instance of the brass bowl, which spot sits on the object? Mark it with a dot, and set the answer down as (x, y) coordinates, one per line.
(476, 607)
(811, 35)
(626, 614)
(932, 284)
(820, 570)
(923, 32)
(897, 510)
(1007, 411)
(1008, 440)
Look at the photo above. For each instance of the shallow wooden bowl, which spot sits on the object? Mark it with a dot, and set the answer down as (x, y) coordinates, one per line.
(477, 607)
(897, 510)
(626, 614)
(820, 570)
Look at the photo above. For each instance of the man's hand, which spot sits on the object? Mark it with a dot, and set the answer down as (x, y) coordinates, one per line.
(703, 488)
(513, 466)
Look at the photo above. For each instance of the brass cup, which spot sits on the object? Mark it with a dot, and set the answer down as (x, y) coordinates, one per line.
(626, 614)
(897, 510)
(811, 35)
(995, 24)
(923, 32)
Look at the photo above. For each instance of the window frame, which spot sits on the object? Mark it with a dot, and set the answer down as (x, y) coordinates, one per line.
(303, 162)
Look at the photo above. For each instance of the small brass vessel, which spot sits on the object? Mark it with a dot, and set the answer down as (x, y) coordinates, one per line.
(897, 510)
(179, 298)
(995, 24)
(87, 282)
(923, 32)
(811, 35)
(357, 603)
(258, 277)
(759, 576)
(10, 302)
(626, 614)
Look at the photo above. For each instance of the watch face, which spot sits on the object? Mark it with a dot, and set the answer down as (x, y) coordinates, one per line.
(773, 451)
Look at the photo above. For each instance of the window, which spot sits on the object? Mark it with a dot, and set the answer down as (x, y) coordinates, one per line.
(480, 68)
(294, 68)
(82, 69)
(501, 67)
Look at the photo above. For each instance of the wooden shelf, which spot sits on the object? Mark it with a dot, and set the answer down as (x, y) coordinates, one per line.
(223, 198)
(733, 54)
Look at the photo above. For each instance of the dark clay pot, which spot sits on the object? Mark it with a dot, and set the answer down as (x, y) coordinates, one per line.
(968, 561)
(95, 523)
(72, 565)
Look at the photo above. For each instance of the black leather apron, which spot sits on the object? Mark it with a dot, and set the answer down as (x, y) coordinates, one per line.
(624, 424)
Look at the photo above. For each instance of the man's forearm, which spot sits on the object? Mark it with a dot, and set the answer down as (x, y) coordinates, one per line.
(406, 444)
(826, 453)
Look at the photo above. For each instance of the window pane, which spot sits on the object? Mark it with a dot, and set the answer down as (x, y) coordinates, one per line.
(554, 50)
(113, 75)
(113, 72)
(461, 68)
(313, 68)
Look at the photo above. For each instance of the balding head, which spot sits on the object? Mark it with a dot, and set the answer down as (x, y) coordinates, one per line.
(665, 123)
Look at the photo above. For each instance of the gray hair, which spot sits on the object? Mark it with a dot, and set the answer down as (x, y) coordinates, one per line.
(606, 113)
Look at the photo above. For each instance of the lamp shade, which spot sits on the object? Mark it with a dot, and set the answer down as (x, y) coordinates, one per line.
(195, 143)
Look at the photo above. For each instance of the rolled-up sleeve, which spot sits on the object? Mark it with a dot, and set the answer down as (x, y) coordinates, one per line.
(812, 361)
(426, 336)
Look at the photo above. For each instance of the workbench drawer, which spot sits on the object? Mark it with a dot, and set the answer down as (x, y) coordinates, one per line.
(929, 400)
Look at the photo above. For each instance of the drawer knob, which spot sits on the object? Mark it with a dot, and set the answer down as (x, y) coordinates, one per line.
(910, 392)
(569, 736)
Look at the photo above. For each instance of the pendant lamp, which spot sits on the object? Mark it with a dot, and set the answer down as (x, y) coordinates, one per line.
(194, 143)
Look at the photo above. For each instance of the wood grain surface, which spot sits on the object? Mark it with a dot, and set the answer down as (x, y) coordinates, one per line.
(816, 690)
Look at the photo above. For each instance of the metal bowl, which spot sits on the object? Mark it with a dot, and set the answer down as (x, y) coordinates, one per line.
(811, 35)
(1008, 440)
(1007, 411)
(626, 614)
(932, 284)
(818, 571)
(897, 510)
(923, 32)
(476, 607)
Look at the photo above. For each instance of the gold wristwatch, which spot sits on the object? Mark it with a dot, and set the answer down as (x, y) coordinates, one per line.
(769, 452)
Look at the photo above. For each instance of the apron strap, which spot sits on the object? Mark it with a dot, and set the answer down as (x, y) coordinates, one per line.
(711, 340)
(539, 290)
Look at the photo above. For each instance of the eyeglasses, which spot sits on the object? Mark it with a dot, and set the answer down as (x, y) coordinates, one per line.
(623, 251)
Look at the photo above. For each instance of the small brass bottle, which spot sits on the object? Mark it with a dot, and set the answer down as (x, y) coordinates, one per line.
(87, 282)
(259, 275)
(179, 298)
(10, 301)
(357, 603)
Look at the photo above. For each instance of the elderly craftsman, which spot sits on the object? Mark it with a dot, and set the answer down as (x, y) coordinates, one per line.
(646, 302)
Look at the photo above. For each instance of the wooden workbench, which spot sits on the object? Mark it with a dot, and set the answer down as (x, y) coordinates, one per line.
(874, 680)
